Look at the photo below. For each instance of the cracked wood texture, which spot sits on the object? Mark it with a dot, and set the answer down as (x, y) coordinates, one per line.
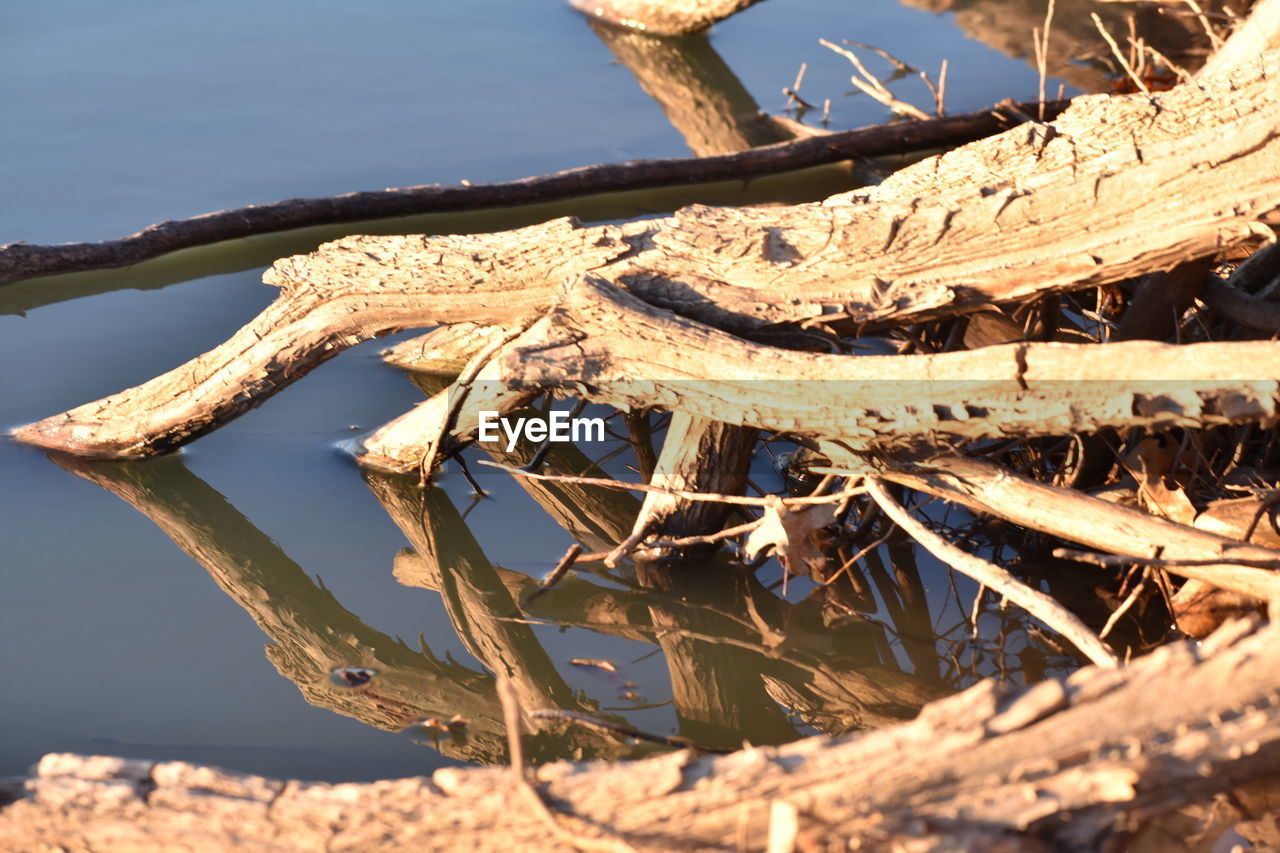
(601, 343)
(1067, 764)
(1116, 187)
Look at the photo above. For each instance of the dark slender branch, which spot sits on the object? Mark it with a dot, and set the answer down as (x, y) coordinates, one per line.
(627, 731)
(1109, 561)
(566, 563)
(20, 261)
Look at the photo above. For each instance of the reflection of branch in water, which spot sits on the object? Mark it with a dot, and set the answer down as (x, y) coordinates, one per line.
(626, 731)
(700, 94)
(1076, 53)
(720, 663)
(477, 600)
(312, 631)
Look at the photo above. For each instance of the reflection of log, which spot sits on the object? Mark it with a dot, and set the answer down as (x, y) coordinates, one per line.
(1069, 764)
(1034, 210)
(718, 694)
(479, 603)
(715, 114)
(595, 516)
(700, 94)
(698, 455)
(1006, 25)
(311, 631)
(574, 603)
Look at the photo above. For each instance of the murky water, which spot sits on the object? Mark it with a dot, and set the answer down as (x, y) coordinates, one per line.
(195, 606)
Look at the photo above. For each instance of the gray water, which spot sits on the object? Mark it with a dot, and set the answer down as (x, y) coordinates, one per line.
(112, 639)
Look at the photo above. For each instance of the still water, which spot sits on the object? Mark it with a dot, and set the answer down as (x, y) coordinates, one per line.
(200, 618)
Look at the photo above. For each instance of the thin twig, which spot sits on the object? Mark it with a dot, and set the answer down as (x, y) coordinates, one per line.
(626, 546)
(1124, 607)
(793, 92)
(562, 567)
(541, 455)
(1115, 49)
(512, 716)
(1041, 40)
(942, 88)
(1184, 76)
(1214, 39)
(714, 497)
(1035, 602)
(872, 86)
(706, 539)
(976, 611)
(1111, 561)
(883, 54)
(462, 389)
(849, 563)
(627, 731)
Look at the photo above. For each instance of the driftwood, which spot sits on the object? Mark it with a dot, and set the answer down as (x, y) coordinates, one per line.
(986, 769)
(662, 17)
(20, 261)
(1034, 210)
(602, 343)
(1076, 517)
(709, 313)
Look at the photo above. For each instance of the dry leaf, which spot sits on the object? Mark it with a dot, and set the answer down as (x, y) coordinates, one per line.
(1199, 608)
(794, 534)
(1149, 462)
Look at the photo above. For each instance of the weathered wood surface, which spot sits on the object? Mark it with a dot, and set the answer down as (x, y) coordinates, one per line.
(1036, 209)
(1068, 764)
(604, 344)
(661, 17)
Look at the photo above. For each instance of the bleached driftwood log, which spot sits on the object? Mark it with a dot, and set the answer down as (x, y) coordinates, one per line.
(1067, 764)
(662, 17)
(602, 343)
(1040, 208)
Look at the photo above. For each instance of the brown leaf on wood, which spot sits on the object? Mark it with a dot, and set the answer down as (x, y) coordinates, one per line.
(1200, 608)
(795, 535)
(1150, 462)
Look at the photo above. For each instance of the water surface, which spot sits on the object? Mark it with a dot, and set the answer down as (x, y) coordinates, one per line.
(115, 639)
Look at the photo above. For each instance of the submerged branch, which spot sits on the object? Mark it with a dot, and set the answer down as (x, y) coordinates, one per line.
(20, 261)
